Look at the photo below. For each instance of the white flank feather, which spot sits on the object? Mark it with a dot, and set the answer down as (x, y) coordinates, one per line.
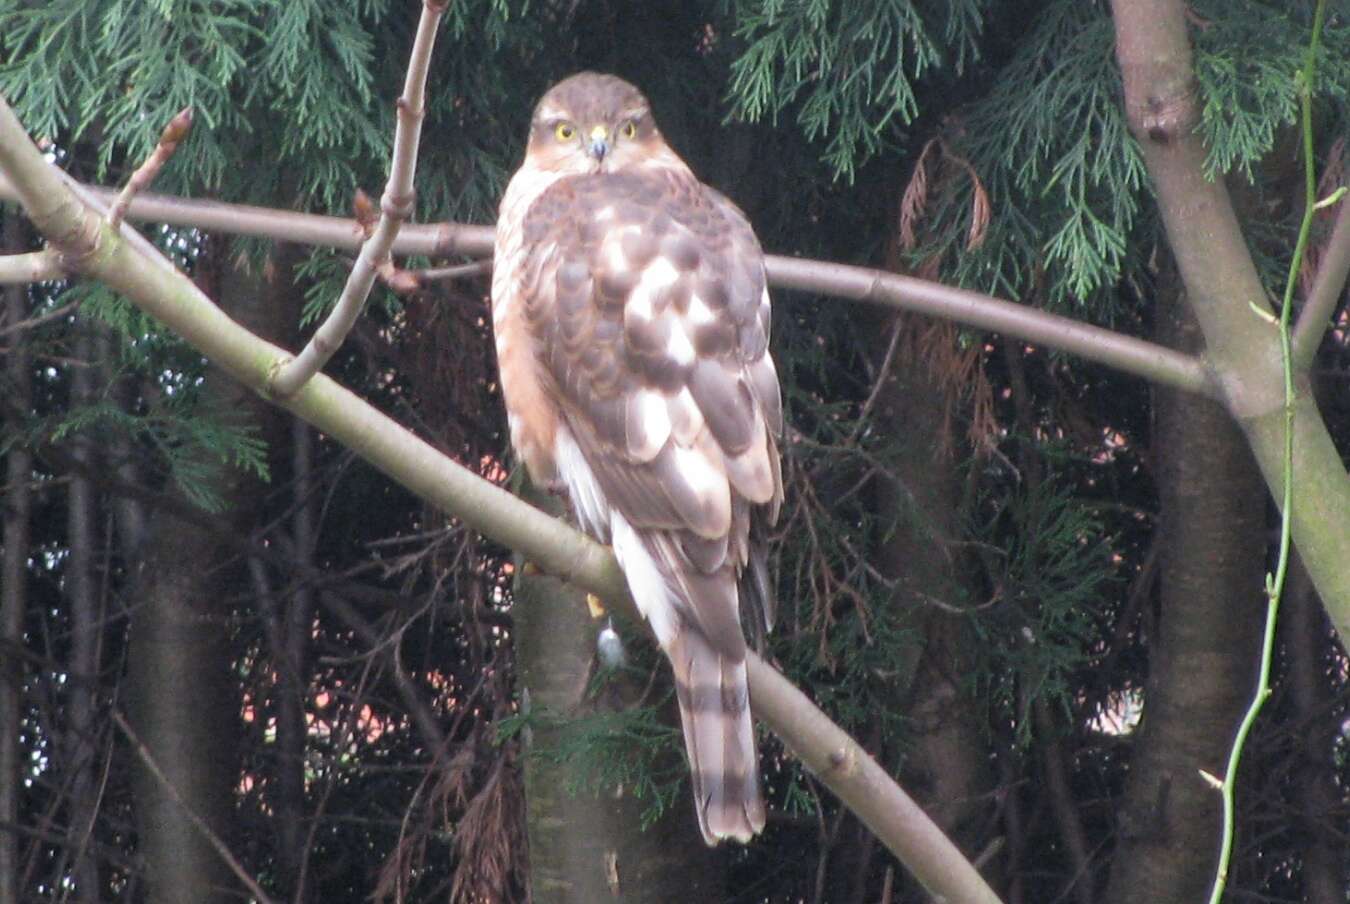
(653, 596)
(588, 498)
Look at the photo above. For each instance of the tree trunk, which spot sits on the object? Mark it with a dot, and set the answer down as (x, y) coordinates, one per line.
(1308, 638)
(81, 593)
(128, 512)
(947, 763)
(185, 708)
(589, 848)
(17, 502)
(183, 694)
(290, 653)
(1202, 661)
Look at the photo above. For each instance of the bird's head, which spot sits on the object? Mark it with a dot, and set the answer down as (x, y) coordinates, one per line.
(593, 123)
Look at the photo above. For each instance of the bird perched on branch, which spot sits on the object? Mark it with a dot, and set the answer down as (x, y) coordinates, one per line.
(632, 326)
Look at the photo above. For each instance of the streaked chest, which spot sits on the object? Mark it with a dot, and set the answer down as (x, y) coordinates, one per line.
(530, 408)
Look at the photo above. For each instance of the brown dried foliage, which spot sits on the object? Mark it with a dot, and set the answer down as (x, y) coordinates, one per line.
(490, 839)
(477, 795)
(946, 166)
(958, 369)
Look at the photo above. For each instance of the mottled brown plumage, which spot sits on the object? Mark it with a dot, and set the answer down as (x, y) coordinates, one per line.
(632, 325)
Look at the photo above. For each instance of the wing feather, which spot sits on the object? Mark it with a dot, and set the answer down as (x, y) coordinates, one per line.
(678, 313)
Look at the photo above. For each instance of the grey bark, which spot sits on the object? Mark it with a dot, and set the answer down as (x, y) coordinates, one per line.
(947, 763)
(80, 740)
(185, 709)
(1202, 661)
(584, 847)
(17, 503)
(183, 696)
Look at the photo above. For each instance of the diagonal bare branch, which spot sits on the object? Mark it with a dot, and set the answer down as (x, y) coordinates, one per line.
(396, 205)
(143, 753)
(1126, 353)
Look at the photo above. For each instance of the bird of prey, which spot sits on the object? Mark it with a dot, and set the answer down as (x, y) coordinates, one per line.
(632, 327)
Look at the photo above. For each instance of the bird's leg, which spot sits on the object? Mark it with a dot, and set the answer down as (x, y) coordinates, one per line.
(595, 606)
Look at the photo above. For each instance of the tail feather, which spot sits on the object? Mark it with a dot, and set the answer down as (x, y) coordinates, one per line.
(694, 614)
(714, 703)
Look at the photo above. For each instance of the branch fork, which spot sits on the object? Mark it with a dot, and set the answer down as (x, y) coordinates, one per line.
(396, 206)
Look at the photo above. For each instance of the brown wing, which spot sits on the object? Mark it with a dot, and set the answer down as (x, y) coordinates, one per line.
(651, 319)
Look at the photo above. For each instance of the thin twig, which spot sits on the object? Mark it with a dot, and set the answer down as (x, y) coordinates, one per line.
(87, 833)
(460, 271)
(198, 823)
(33, 322)
(395, 206)
(169, 139)
(882, 376)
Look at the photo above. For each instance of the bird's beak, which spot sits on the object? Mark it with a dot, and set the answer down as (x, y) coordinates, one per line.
(598, 143)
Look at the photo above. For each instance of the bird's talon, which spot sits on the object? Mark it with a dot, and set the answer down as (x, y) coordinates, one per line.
(595, 605)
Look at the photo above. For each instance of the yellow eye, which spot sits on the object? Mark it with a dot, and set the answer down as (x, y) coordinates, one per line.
(565, 131)
(629, 129)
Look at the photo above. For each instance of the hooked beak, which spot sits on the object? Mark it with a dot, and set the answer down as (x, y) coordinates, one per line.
(597, 143)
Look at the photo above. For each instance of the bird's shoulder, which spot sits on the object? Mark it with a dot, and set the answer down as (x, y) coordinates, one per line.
(583, 208)
(648, 247)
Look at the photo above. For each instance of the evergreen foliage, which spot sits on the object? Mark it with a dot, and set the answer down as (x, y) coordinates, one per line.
(1247, 60)
(847, 70)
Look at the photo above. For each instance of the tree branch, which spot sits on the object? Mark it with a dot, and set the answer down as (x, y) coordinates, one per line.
(90, 246)
(34, 266)
(1146, 359)
(396, 205)
(1222, 285)
(145, 174)
(1125, 353)
(851, 773)
(1326, 291)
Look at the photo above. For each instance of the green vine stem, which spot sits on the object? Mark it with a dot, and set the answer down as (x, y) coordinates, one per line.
(1275, 584)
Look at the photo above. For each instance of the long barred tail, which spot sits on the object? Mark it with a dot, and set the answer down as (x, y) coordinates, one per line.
(718, 732)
